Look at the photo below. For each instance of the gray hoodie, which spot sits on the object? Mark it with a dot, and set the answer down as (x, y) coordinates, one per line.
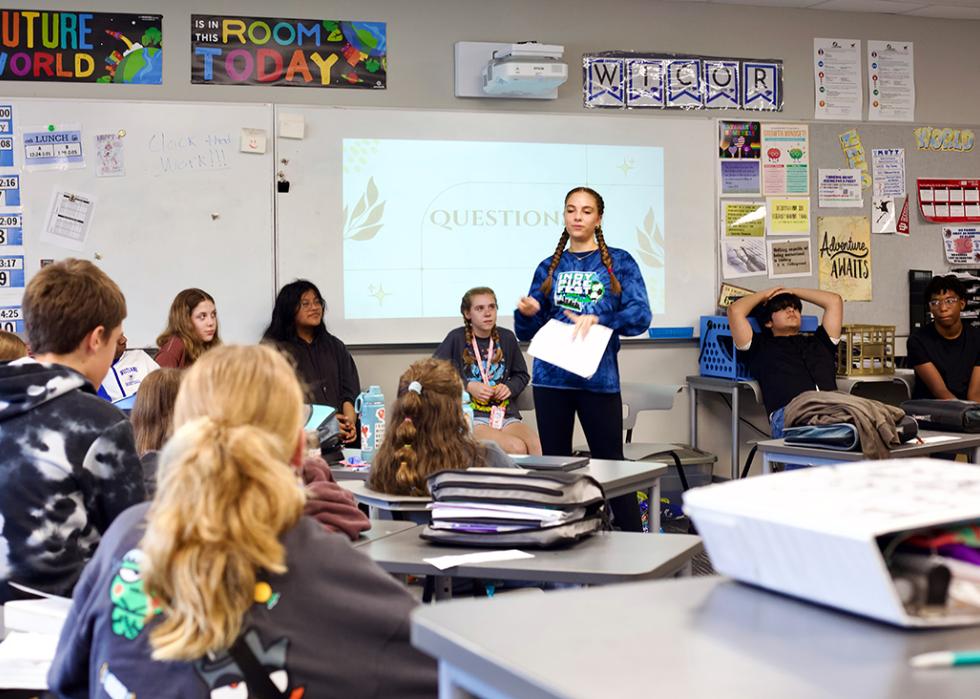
(68, 467)
(333, 625)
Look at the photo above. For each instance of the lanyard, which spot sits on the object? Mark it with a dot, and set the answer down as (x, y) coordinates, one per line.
(484, 373)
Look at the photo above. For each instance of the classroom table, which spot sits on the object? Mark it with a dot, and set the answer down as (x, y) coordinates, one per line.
(697, 638)
(616, 478)
(601, 559)
(714, 384)
(906, 377)
(380, 528)
(779, 452)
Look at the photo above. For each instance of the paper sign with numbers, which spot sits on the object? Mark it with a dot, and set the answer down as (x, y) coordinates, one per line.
(11, 271)
(11, 229)
(11, 319)
(6, 135)
(9, 190)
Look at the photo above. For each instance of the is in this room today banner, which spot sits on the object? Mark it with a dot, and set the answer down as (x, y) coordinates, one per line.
(92, 47)
(235, 50)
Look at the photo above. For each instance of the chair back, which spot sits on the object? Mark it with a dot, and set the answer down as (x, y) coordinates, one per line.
(525, 399)
(638, 397)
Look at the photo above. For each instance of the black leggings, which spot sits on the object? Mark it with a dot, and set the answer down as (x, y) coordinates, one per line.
(601, 415)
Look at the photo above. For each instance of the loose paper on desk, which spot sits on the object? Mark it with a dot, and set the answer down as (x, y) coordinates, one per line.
(554, 344)
(25, 659)
(444, 562)
(69, 218)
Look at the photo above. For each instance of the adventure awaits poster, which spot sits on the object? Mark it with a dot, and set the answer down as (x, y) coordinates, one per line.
(91, 47)
(235, 50)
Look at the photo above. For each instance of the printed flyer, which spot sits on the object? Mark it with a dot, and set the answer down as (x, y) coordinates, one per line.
(785, 159)
(844, 254)
(236, 50)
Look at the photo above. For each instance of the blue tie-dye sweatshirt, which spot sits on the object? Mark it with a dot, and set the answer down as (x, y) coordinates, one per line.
(581, 284)
(68, 467)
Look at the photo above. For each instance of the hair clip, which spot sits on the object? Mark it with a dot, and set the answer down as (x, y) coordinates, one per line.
(407, 445)
(415, 387)
(408, 420)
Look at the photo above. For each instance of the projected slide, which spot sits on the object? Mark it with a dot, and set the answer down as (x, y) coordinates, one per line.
(425, 220)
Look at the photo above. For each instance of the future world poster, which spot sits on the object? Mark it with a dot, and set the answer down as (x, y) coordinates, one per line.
(234, 50)
(91, 47)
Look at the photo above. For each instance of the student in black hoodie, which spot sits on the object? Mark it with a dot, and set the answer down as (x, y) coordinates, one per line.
(68, 464)
(322, 361)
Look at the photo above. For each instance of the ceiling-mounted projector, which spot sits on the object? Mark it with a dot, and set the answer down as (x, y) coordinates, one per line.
(525, 70)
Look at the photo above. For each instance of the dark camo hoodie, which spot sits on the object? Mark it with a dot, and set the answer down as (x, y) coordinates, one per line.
(68, 466)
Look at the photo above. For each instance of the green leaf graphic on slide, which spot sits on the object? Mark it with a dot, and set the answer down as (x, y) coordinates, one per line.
(364, 221)
(651, 242)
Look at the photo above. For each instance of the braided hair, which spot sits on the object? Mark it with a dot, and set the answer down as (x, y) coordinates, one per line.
(600, 205)
(464, 308)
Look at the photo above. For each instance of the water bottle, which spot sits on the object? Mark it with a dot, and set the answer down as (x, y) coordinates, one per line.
(467, 410)
(370, 407)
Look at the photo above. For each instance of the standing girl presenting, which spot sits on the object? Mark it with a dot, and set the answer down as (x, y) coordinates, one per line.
(493, 370)
(586, 284)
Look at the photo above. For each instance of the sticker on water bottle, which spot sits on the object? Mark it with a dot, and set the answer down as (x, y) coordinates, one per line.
(379, 427)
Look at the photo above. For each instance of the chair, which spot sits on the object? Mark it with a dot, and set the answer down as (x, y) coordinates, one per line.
(525, 399)
(638, 397)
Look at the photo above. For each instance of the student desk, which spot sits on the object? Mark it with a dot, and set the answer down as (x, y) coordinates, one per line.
(616, 478)
(713, 384)
(702, 638)
(777, 451)
(601, 559)
(380, 528)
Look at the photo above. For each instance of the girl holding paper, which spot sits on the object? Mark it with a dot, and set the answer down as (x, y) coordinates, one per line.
(586, 284)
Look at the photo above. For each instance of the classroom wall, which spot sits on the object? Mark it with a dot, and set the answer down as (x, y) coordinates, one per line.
(421, 34)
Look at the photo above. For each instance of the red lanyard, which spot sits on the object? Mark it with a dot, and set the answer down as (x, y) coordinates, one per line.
(484, 373)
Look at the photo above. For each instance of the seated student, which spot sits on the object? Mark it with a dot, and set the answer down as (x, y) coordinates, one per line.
(494, 373)
(785, 361)
(222, 566)
(946, 353)
(152, 419)
(428, 433)
(129, 368)
(192, 329)
(322, 360)
(11, 347)
(68, 465)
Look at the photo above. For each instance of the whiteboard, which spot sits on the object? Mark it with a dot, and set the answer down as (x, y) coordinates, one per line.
(190, 210)
(312, 241)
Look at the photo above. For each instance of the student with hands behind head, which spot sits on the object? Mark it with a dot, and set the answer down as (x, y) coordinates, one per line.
(785, 361)
(946, 353)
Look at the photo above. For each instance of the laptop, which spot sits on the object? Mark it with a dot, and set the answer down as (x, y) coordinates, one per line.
(550, 463)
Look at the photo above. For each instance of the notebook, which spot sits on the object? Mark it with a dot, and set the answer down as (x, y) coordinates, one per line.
(550, 463)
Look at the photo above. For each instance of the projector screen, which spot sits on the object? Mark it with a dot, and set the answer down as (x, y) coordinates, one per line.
(395, 214)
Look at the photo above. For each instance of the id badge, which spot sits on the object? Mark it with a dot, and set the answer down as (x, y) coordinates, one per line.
(497, 417)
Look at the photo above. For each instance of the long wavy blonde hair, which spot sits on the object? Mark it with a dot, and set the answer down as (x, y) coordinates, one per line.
(226, 494)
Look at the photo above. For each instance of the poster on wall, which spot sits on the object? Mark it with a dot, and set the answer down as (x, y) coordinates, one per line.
(785, 159)
(90, 47)
(236, 50)
(962, 245)
(844, 254)
(789, 258)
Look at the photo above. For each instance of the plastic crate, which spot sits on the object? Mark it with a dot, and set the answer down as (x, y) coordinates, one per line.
(866, 350)
(717, 357)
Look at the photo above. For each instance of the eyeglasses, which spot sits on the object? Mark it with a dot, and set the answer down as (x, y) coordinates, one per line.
(945, 303)
(315, 303)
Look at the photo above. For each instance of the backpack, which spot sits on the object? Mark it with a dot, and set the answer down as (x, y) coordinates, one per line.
(495, 508)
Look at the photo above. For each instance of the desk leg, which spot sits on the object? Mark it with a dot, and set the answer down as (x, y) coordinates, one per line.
(653, 507)
(443, 588)
(735, 436)
(448, 685)
(976, 456)
(766, 463)
(693, 415)
(686, 571)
